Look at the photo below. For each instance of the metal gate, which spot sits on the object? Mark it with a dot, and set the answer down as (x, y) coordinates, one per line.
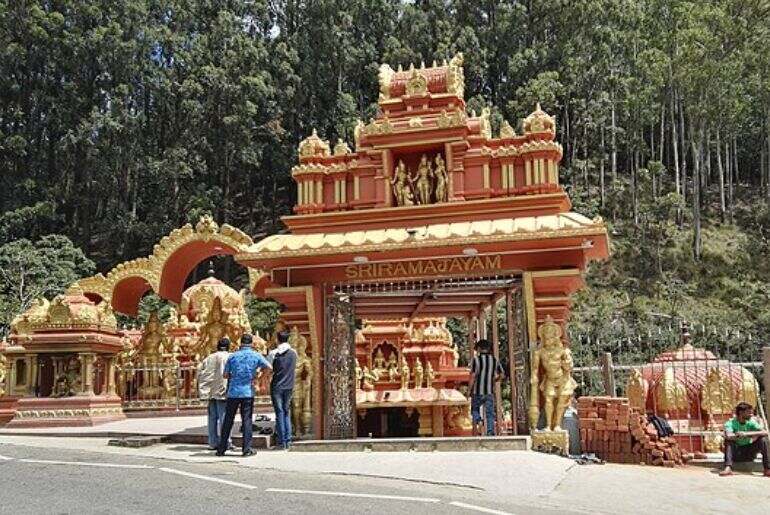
(339, 369)
(521, 360)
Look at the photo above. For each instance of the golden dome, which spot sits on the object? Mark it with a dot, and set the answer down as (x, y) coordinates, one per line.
(539, 121)
(198, 299)
(72, 310)
(313, 146)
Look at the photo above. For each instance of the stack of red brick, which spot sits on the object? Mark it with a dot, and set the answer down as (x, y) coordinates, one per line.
(617, 433)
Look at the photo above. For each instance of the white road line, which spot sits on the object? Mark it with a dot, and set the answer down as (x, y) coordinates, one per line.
(208, 478)
(87, 464)
(5, 458)
(350, 494)
(478, 508)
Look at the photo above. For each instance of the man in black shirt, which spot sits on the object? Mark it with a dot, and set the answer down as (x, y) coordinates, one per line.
(284, 361)
(485, 371)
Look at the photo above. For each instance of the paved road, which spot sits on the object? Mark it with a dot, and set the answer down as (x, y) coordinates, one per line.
(60, 481)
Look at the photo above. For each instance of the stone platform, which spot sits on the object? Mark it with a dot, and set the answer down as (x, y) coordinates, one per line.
(454, 444)
(183, 430)
(75, 411)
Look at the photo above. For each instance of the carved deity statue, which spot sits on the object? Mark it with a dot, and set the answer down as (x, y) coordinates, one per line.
(404, 374)
(423, 178)
(717, 395)
(301, 410)
(125, 366)
(552, 376)
(216, 327)
(430, 375)
(418, 373)
(392, 367)
(442, 180)
(151, 352)
(359, 375)
(636, 390)
(369, 378)
(402, 188)
(379, 361)
(670, 394)
(68, 382)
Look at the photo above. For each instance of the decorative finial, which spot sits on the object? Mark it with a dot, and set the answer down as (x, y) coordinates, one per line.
(422, 64)
(411, 66)
(211, 265)
(443, 62)
(400, 68)
(434, 63)
(537, 107)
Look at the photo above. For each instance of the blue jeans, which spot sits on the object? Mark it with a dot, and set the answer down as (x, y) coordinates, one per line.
(216, 419)
(488, 401)
(282, 406)
(246, 407)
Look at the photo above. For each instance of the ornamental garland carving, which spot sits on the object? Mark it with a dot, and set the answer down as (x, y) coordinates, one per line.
(455, 119)
(375, 128)
(417, 84)
(455, 78)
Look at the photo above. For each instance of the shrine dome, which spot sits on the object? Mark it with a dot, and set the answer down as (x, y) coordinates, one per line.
(688, 381)
(539, 121)
(198, 299)
(71, 311)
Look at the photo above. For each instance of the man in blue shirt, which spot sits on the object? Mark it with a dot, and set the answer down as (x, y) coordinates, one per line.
(240, 372)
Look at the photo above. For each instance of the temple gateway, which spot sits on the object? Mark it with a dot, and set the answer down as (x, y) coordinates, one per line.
(429, 220)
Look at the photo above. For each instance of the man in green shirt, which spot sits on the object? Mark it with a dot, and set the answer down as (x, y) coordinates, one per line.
(744, 438)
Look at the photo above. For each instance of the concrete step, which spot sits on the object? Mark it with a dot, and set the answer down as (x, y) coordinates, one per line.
(719, 463)
(479, 443)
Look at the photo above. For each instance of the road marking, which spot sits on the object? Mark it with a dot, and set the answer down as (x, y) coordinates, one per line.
(87, 464)
(5, 458)
(478, 508)
(350, 494)
(208, 478)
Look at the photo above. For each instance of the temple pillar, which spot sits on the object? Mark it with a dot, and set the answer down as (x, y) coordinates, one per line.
(32, 375)
(111, 368)
(426, 421)
(529, 306)
(449, 159)
(496, 353)
(86, 373)
(512, 330)
(387, 169)
(438, 421)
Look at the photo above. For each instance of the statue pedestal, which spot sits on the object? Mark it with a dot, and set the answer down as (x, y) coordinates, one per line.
(66, 411)
(547, 440)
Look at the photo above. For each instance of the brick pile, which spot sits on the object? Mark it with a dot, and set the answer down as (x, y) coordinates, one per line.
(617, 433)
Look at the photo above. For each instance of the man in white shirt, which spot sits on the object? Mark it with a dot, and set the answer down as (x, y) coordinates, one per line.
(212, 387)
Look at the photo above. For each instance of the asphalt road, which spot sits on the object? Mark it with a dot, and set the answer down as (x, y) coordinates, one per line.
(63, 481)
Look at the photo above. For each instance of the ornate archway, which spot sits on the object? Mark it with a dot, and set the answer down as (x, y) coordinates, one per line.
(167, 268)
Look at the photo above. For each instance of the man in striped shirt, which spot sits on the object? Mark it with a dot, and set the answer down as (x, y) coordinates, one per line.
(485, 371)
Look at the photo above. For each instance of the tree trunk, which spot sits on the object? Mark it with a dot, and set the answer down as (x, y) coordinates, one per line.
(707, 174)
(721, 172)
(675, 145)
(601, 167)
(613, 140)
(729, 175)
(684, 150)
(634, 188)
(767, 134)
(661, 140)
(696, 142)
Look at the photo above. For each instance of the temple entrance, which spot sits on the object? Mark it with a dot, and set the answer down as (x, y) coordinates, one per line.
(413, 343)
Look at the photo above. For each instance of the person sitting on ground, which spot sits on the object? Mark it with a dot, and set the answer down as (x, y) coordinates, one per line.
(212, 387)
(485, 371)
(744, 438)
(240, 372)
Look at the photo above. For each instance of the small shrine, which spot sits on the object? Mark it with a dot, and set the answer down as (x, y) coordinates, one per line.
(695, 390)
(408, 379)
(61, 362)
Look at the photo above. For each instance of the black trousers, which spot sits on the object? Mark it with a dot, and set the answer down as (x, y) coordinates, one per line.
(246, 405)
(734, 452)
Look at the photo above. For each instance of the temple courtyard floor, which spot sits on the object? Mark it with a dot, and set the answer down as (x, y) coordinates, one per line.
(65, 474)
